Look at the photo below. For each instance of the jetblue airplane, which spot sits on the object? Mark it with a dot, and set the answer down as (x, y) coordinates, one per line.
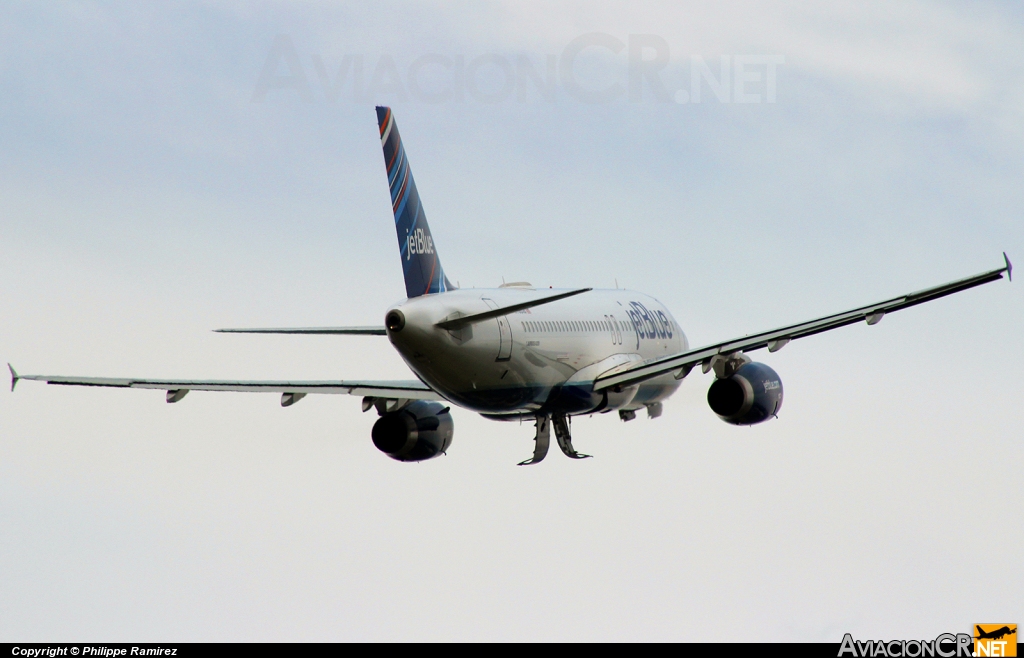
(519, 353)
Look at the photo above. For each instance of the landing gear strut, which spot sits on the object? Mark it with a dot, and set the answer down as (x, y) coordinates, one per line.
(565, 439)
(542, 440)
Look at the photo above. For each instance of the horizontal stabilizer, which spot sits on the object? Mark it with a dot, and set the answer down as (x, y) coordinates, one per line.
(349, 331)
(455, 323)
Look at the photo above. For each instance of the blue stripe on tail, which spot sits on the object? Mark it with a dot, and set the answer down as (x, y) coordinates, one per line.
(423, 272)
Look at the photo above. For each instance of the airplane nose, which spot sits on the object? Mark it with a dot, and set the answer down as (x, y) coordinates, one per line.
(394, 320)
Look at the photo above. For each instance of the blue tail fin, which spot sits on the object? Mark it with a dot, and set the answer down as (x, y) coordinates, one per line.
(423, 272)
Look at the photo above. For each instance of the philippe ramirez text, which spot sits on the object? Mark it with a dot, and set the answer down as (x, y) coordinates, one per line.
(104, 652)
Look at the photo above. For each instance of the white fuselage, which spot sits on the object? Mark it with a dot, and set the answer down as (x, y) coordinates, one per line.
(543, 358)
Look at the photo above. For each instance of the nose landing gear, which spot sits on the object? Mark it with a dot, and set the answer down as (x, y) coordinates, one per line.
(542, 440)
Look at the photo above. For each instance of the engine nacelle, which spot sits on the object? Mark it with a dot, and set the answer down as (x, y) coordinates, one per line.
(418, 431)
(752, 395)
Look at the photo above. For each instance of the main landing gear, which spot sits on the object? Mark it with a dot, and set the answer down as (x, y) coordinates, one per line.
(543, 438)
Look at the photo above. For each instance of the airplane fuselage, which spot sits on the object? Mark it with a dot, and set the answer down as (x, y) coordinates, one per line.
(543, 358)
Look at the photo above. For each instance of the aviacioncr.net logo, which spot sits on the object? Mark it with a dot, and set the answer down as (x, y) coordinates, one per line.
(995, 640)
(946, 645)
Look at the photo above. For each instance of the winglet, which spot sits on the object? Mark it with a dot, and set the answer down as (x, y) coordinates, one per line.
(14, 376)
(1009, 267)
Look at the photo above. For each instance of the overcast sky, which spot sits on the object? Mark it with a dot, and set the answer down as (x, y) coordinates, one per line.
(166, 169)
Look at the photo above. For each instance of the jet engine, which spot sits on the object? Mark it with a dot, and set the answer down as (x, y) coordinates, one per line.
(414, 433)
(751, 395)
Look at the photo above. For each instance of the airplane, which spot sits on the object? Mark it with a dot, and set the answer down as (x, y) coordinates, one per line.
(996, 634)
(518, 353)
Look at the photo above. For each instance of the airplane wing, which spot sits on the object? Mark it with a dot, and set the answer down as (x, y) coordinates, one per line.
(775, 339)
(292, 390)
(350, 331)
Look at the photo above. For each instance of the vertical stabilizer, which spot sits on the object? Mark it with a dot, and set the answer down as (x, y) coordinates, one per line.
(420, 262)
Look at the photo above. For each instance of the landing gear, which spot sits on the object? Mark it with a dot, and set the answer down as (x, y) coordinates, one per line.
(543, 439)
(565, 439)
